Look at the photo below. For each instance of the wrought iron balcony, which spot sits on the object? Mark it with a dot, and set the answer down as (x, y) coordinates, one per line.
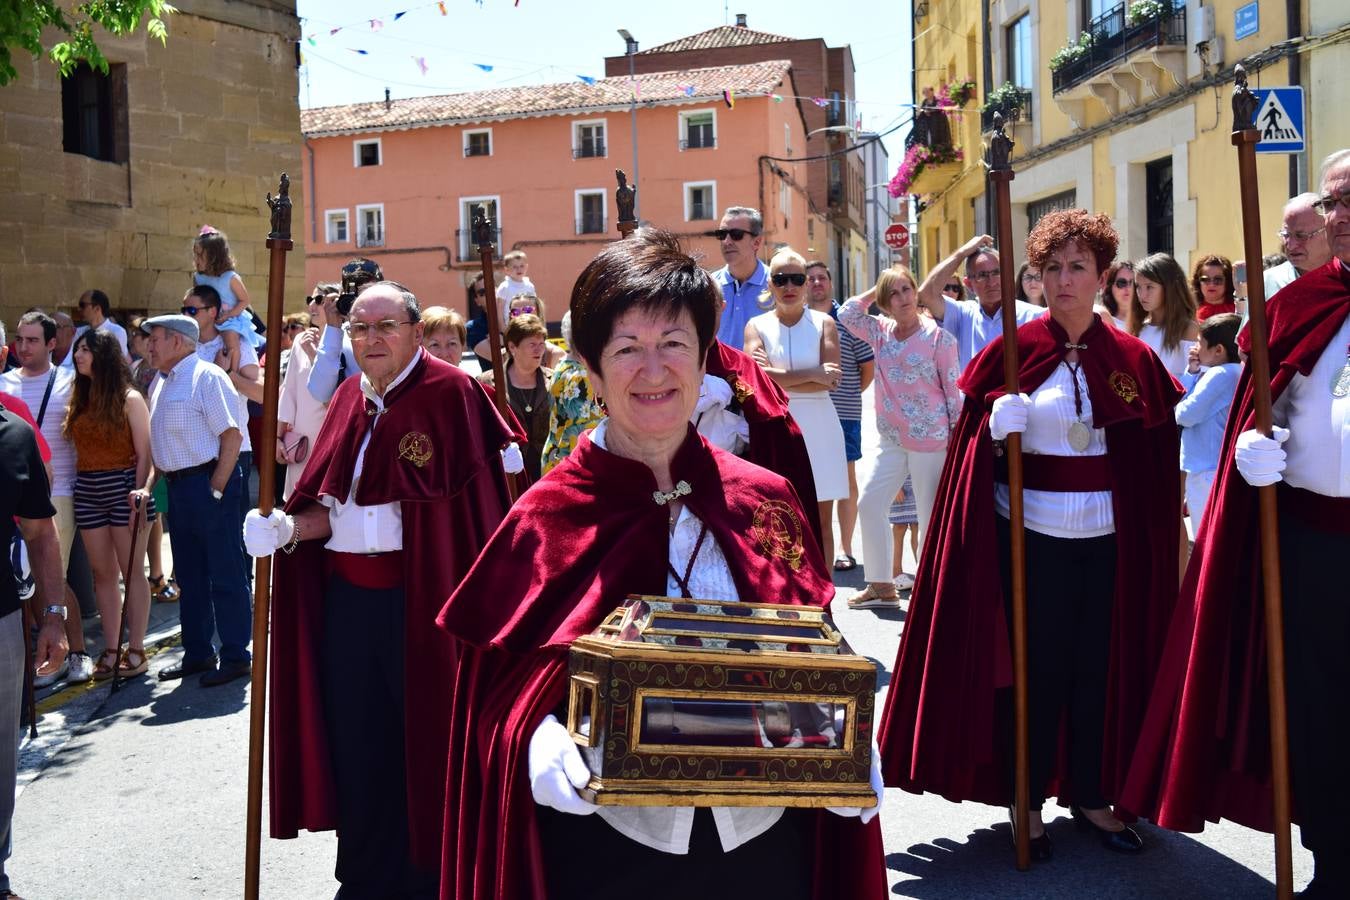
(698, 143)
(1113, 39)
(467, 250)
(588, 149)
(592, 225)
(1016, 107)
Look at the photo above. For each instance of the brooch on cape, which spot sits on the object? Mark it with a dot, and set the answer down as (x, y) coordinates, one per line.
(664, 497)
(415, 448)
(1124, 386)
(779, 532)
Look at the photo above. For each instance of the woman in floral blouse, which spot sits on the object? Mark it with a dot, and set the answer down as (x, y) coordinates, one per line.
(917, 403)
(572, 406)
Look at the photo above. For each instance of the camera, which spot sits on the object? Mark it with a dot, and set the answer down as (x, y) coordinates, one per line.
(355, 275)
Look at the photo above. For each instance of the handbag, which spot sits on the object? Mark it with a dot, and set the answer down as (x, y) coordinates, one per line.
(296, 451)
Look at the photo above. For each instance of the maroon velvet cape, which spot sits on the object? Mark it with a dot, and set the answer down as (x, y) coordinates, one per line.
(584, 537)
(451, 504)
(1204, 752)
(939, 731)
(776, 443)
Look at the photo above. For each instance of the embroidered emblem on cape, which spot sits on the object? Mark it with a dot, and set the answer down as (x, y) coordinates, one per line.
(779, 532)
(741, 391)
(415, 448)
(1125, 386)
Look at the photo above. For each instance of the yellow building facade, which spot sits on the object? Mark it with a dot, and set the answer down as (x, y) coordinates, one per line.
(1135, 122)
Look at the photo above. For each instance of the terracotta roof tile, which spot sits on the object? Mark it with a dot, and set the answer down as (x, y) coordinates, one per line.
(721, 36)
(546, 99)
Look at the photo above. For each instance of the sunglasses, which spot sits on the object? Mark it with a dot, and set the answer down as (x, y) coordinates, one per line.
(780, 279)
(736, 234)
(1123, 282)
(954, 288)
(295, 326)
(522, 311)
(1212, 279)
(318, 298)
(190, 310)
(481, 292)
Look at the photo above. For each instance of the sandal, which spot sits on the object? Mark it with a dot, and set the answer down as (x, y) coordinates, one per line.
(844, 563)
(163, 591)
(103, 669)
(125, 668)
(868, 598)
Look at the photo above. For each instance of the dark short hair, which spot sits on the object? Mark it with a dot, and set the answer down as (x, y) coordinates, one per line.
(207, 294)
(38, 317)
(100, 299)
(1222, 331)
(648, 271)
(818, 264)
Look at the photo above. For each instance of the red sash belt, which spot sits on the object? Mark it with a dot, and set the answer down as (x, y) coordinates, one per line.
(372, 571)
(1330, 514)
(1062, 474)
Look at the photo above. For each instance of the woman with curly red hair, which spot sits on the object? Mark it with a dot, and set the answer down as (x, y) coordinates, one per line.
(1101, 513)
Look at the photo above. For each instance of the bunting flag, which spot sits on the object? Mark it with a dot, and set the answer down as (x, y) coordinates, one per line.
(586, 78)
(359, 52)
(441, 7)
(777, 98)
(820, 101)
(334, 31)
(485, 68)
(421, 63)
(376, 24)
(310, 41)
(729, 98)
(688, 90)
(398, 16)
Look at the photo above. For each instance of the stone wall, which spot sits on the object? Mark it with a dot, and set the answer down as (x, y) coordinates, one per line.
(211, 120)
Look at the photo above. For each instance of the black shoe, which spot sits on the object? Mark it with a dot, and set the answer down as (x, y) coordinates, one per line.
(1126, 840)
(227, 672)
(1041, 848)
(185, 668)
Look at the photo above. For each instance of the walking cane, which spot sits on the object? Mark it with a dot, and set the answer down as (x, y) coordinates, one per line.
(279, 242)
(29, 687)
(1001, 175)
(1245, 138)
(122, 617)
(484, 237)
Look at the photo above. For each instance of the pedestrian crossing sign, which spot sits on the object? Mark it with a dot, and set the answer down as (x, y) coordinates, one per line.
(1279, 118)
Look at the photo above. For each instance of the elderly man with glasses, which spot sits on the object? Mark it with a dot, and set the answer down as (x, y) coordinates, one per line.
(744, 278)
(402, 489)
(1303, 235)
(974, 322)
(1218, 764)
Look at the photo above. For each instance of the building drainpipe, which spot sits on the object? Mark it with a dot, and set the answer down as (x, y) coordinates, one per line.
(990, 220)
(313, 193)
(1293, 18)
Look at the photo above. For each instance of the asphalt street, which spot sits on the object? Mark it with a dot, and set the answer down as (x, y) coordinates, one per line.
(142, 794)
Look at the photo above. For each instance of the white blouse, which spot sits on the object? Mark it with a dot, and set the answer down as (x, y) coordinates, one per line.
(1063, 514)
(667, 828)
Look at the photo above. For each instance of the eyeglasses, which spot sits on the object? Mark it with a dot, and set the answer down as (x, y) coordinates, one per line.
(1328, 202)
(1300, 236)
(780, 279)
(1212, 279)
(985, 276)
(385, 328)
(736, 234)
(1123, 283)
(295, 326)
(522, 311)
(1030, 276)
(190, 310)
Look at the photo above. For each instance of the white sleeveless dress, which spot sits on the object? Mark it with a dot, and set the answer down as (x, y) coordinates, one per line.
(794, 348)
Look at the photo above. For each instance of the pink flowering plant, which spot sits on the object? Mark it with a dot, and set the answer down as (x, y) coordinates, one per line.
(916, 158)
(955, 95)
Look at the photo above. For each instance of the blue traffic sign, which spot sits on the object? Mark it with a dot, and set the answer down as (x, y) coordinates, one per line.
(1279, 118)
(1246, 21)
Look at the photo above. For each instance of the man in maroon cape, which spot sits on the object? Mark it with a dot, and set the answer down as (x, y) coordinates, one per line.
(403, 488)
(1204, 752)
(945, 726)
(593, 519)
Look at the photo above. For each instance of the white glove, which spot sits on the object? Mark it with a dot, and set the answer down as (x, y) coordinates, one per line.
(512, 461)
(1009, 415)
(1261, 459)
(264, 535)
(557, 769)
(866, 813)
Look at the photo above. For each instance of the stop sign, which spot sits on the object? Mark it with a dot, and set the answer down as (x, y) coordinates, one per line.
(897, 237)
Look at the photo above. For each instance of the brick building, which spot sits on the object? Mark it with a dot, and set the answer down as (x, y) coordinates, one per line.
(107, 179)
(397, 180)
(822, 75)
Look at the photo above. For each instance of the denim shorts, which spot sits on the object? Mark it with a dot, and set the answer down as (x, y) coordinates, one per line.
(852, 439)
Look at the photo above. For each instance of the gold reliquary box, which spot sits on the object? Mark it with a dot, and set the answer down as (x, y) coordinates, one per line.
(705, 703)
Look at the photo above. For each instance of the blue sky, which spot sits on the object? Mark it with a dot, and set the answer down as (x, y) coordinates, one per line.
(542, 41)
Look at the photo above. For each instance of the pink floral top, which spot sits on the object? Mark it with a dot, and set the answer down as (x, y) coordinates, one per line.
(917, 399)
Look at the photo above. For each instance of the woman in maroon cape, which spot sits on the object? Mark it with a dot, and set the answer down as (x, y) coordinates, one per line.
(1101, 545)
(643, 505)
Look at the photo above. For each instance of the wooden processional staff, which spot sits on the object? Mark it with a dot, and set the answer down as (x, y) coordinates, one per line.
(279, 243)
(1245, 138)
(485, 236)
(1000, 176)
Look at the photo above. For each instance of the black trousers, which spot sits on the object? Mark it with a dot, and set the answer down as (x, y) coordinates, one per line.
(1317, 670)
(1070, 591)
(362, 675)
(585, 858)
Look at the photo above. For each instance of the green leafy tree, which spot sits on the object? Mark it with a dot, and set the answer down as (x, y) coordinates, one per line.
(22, 23)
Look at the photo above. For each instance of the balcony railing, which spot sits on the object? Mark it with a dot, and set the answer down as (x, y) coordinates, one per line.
(592, 225)
(587, 150)
(931, 128)
(370, 239)
(1113, 39)
(467, 249)
(698, 143)
(1016, 108)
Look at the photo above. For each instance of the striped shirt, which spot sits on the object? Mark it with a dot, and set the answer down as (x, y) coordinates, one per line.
(30, 389)
(193, 405)
(853, 354)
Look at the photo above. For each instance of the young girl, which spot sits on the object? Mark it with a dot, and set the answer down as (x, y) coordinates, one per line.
(1162, 310)
(215, 266)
